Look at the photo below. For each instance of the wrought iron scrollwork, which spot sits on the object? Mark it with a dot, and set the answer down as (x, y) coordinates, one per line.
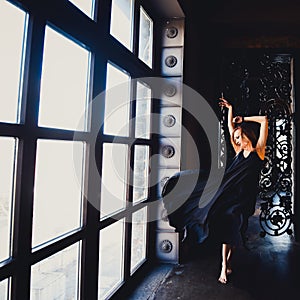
(261, 84)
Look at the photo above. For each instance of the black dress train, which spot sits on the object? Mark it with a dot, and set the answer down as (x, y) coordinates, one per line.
(226, 213)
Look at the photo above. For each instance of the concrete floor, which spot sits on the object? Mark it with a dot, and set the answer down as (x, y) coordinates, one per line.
(266, 269)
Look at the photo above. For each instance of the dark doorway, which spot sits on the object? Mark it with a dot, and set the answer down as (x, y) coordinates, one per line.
(260, 83)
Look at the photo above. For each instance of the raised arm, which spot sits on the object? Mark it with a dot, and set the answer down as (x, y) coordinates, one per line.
(230, 121)
(225, 103)
(263, 133)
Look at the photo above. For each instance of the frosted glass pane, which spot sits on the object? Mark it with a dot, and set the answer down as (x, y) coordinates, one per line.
(57, 189)
(114, 178)
(117, 102)
(145, 38)
(64, 83)
(138, 241)
(143, 111)
(4, 289)
(122, 21)
(111, 259)
(86, 6)
(56, 277)
(7, 170)
(12, 29)
(141, 172)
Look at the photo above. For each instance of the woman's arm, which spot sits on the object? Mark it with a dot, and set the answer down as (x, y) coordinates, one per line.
(230, 121)
(225, 103)
(263, 133)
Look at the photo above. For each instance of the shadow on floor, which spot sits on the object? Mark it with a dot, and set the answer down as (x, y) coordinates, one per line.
(266, 269)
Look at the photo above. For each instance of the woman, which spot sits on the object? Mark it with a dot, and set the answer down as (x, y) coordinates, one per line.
(245, 144)
(226, 215)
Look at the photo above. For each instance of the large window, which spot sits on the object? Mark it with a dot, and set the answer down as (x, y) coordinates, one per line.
(75, 172)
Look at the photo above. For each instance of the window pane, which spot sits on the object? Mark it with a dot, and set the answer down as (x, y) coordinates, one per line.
(138, 242)
(86, 6)
(4, 289)
(111, 258)
(57, 189)
(143, 111)
(57, 276)
(64, 83)
(114, 178)
(122, 21)
(7, 170)
(117, 102)
(146, 38)
(12, 29)
(141, 172)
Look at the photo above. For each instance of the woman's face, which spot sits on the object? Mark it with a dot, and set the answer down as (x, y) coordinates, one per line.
(240, 139)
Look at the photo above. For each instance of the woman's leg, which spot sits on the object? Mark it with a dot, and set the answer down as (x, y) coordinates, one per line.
(226, 255)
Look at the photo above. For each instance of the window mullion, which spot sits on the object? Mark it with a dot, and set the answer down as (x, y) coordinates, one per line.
(26, 163)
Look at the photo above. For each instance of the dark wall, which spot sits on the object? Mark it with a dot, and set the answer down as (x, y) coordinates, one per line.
(221, 27)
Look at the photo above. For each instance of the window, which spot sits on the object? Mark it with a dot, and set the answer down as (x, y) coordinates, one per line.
(146, 38)
(114, 178)
(4, 284)
(64, 85)
(111, 272)
(121, 24)
(57, 277)
(138, 241)
(143, 111)
(117, 102)
(86, 6)
(11, 57)
(57, 189)
(8, 151)
(51, 148)
(141, 172)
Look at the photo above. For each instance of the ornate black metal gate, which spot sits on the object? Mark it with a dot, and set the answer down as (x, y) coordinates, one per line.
(262, 84)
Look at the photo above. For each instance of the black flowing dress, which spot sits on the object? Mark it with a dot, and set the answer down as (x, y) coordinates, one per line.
(226, 214)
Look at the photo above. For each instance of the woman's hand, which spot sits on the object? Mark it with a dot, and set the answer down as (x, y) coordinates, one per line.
(237, 119)
(224, 103)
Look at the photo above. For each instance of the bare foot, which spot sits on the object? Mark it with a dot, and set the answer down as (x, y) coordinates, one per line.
(223, 275)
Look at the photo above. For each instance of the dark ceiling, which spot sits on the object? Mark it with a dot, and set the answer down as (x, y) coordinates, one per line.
(270, 15)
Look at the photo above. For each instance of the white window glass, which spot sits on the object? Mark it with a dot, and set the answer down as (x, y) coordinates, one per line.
(143, 111)
(117, 102)
(121, 24)
(146, 38)
(64, 83)
(4, 284)
(7, 175)
(12, 36)
(111, 259)
(86, 6)
(57, 189)
(138, 241)
(114, 178)
(57, 276)
(141, 172)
